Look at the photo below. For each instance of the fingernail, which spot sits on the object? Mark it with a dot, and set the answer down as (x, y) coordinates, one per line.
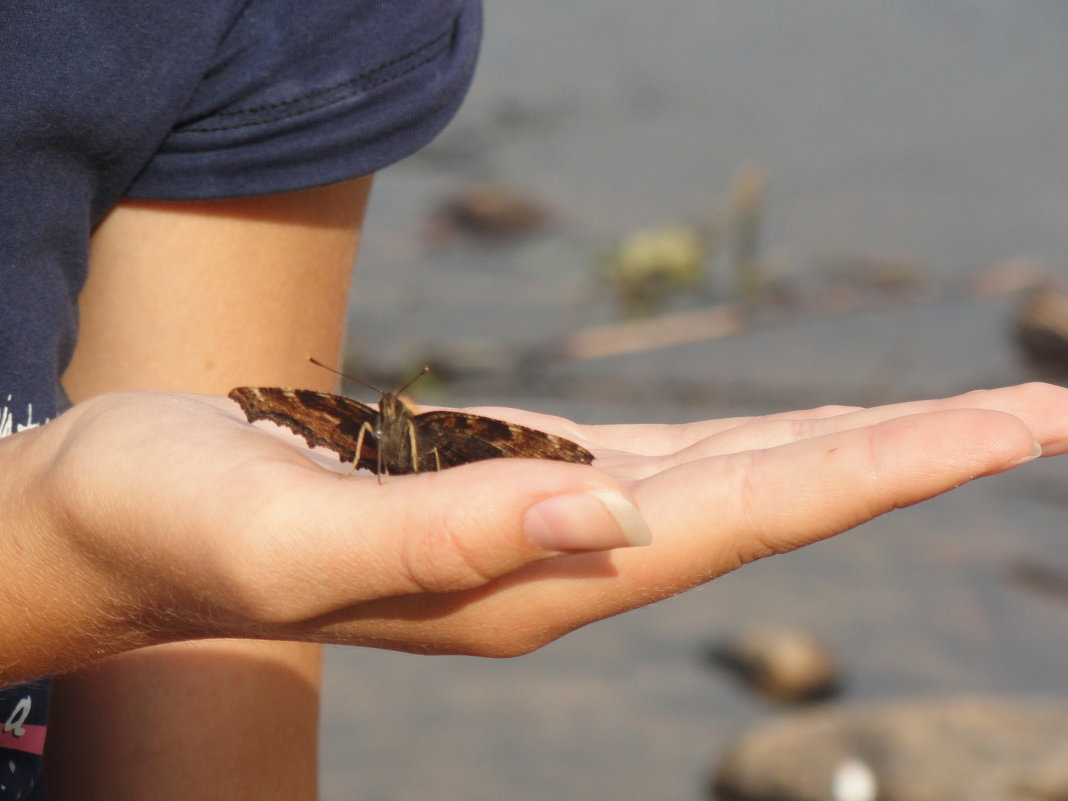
(596, 520)
(1036, 451)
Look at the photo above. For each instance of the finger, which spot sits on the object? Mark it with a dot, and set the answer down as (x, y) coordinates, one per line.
(775, 500)
(711, 516)
(1042, 407)
(720, 438)
(328, 543)
(667, 439)
(658, 438)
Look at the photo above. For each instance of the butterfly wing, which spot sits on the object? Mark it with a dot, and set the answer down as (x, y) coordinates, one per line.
(453, 438)
(329, 421)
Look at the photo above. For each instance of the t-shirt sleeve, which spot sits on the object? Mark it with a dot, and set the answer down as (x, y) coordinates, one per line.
(308, 94)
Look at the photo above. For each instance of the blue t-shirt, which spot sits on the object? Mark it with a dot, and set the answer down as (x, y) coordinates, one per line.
(196, 99)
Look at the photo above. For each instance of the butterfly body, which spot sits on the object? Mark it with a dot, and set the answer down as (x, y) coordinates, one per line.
(395, 439)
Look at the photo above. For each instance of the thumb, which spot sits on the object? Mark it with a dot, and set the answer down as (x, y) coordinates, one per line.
(332, 543)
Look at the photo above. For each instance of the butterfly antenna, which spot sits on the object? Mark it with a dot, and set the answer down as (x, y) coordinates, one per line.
(318, 363)
(414, 378)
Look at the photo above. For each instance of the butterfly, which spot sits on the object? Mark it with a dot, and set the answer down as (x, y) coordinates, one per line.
(395, 438)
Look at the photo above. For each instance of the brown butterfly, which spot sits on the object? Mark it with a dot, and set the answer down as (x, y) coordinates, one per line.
(395, 439)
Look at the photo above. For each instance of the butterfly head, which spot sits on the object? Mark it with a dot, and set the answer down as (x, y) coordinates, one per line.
(393, 406)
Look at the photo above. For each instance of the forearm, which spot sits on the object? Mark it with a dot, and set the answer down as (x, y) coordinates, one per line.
(203, 297)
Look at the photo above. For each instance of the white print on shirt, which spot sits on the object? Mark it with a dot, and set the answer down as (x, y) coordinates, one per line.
(8, 423)
(13, 725)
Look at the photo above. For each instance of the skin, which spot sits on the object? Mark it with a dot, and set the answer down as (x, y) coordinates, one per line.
(161, 518)
(204, 297)
(179, 520)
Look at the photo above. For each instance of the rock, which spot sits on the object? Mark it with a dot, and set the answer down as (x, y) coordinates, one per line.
(1042, 330)
(488, 211)
(1039, 578)
(962, 749)
(783, 665)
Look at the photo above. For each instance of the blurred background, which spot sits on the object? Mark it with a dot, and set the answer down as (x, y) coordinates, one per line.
(690, 209)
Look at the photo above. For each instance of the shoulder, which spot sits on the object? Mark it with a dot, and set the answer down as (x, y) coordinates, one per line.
(309, 94)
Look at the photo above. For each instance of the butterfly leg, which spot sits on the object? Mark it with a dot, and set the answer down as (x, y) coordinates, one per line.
(359, 449)
(414, 445)
(381, 470)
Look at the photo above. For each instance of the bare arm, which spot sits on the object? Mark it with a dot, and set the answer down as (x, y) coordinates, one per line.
(203, 297)
(154, 518)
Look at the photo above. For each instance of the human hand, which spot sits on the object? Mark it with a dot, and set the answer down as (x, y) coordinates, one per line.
(165, 517)
(721, 493)
(141, 518)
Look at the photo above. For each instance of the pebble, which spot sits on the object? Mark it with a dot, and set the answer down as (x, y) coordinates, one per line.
(784, 665)
(949, 749)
